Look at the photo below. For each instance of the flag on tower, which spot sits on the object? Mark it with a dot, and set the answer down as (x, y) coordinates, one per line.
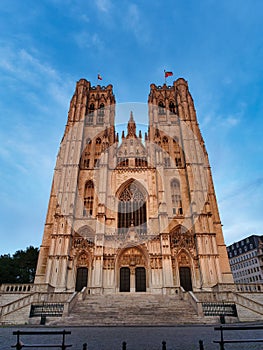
(99, 77)
(167, 74)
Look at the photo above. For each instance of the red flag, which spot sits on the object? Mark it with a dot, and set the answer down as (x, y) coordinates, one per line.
(168, 74)
(99, 77)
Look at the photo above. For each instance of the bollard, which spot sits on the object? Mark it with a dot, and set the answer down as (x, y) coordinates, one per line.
(85, 346)
(222, 319)
(19, 345)
(201, 345)
(164, 345)
(124, 345)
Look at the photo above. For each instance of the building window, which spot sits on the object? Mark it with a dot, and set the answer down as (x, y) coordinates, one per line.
(96, 163)
(161, 108)
(178, 162)
(141, 162)
(176, 197)
(88, 198)
(101, 112)
(172, 108)
(132, 209)
(167, 162)
(122, 162)
(165, 144)
(91, 109)
(86, 163)
(98, 147)
(89, 115)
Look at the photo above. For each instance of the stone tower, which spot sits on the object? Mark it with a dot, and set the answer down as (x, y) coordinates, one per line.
(128, 214)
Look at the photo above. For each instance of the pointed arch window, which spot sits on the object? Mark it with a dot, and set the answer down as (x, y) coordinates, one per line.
(132, 209)
(176, 197)
(101, 112)
(172, 108)
(91, 109)
(161, 108)
(90, 114)
(98, 146)
(177, 152)
(165, 143)
(88, 198)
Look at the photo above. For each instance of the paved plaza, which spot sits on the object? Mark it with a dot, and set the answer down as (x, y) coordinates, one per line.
(137, 338)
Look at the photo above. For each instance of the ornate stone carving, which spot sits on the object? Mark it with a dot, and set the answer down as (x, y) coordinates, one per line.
(132, 257)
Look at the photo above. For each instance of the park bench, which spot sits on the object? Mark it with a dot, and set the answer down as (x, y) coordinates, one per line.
(20, 345)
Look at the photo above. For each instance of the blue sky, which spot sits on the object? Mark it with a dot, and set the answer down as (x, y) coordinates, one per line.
(46, 46)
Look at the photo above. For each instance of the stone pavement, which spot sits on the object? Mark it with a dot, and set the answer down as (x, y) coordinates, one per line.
(137, 338)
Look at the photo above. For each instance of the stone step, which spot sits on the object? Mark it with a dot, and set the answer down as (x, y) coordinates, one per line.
(131, 309)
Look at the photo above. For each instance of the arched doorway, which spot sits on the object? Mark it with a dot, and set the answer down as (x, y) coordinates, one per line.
(132, 208)
(82, 278)
(140, 279)
(132, 270)
(185, 278)
(83, 263)
(125, 279)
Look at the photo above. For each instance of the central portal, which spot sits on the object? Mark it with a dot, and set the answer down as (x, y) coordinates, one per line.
(132, 270)
(127, 279)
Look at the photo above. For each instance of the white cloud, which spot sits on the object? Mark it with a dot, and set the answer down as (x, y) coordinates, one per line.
(85, 39)
(231, 121)
(136, 23)
(103, 5)
(35, 77)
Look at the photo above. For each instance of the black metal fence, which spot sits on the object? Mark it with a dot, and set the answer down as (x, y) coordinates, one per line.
(47, 309)
(224, 341)
(219, 309)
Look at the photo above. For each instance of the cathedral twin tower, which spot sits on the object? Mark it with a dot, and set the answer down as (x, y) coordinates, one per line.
(132, 214)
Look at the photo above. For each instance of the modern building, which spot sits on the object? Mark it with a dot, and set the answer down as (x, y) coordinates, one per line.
(246, 260)
(132, 214)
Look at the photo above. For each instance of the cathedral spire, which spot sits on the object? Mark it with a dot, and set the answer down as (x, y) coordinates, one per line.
(131, 127)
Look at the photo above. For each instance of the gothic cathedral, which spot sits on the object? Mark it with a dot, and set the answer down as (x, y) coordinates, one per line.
(132, 213)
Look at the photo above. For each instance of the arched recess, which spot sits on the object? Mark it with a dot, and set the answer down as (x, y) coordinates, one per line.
(183, 251)
(88, 198)
(185, 268)
(87, 233)
(82, 270)
(132, 207)
(132, 267)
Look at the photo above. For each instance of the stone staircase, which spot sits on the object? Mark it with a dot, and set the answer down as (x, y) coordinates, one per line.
(131, 309)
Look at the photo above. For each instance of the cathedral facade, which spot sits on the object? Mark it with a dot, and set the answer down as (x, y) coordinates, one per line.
(132, 213)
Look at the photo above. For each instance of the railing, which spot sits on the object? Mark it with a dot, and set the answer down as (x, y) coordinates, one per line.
(71, 303)
(248, 303)
(224, 341)
(249, 287)
(197, 305)
(25, 288)
(16, 288)
(219, 309)
(17, 304)
(28, 299)
(47, 309)
(19, 344)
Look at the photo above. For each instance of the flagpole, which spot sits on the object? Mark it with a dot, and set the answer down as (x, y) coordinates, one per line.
(164, 76)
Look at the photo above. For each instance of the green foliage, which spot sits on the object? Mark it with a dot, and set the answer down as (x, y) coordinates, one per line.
(20, 268)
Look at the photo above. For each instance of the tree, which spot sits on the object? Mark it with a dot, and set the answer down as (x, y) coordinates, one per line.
(20, 268)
